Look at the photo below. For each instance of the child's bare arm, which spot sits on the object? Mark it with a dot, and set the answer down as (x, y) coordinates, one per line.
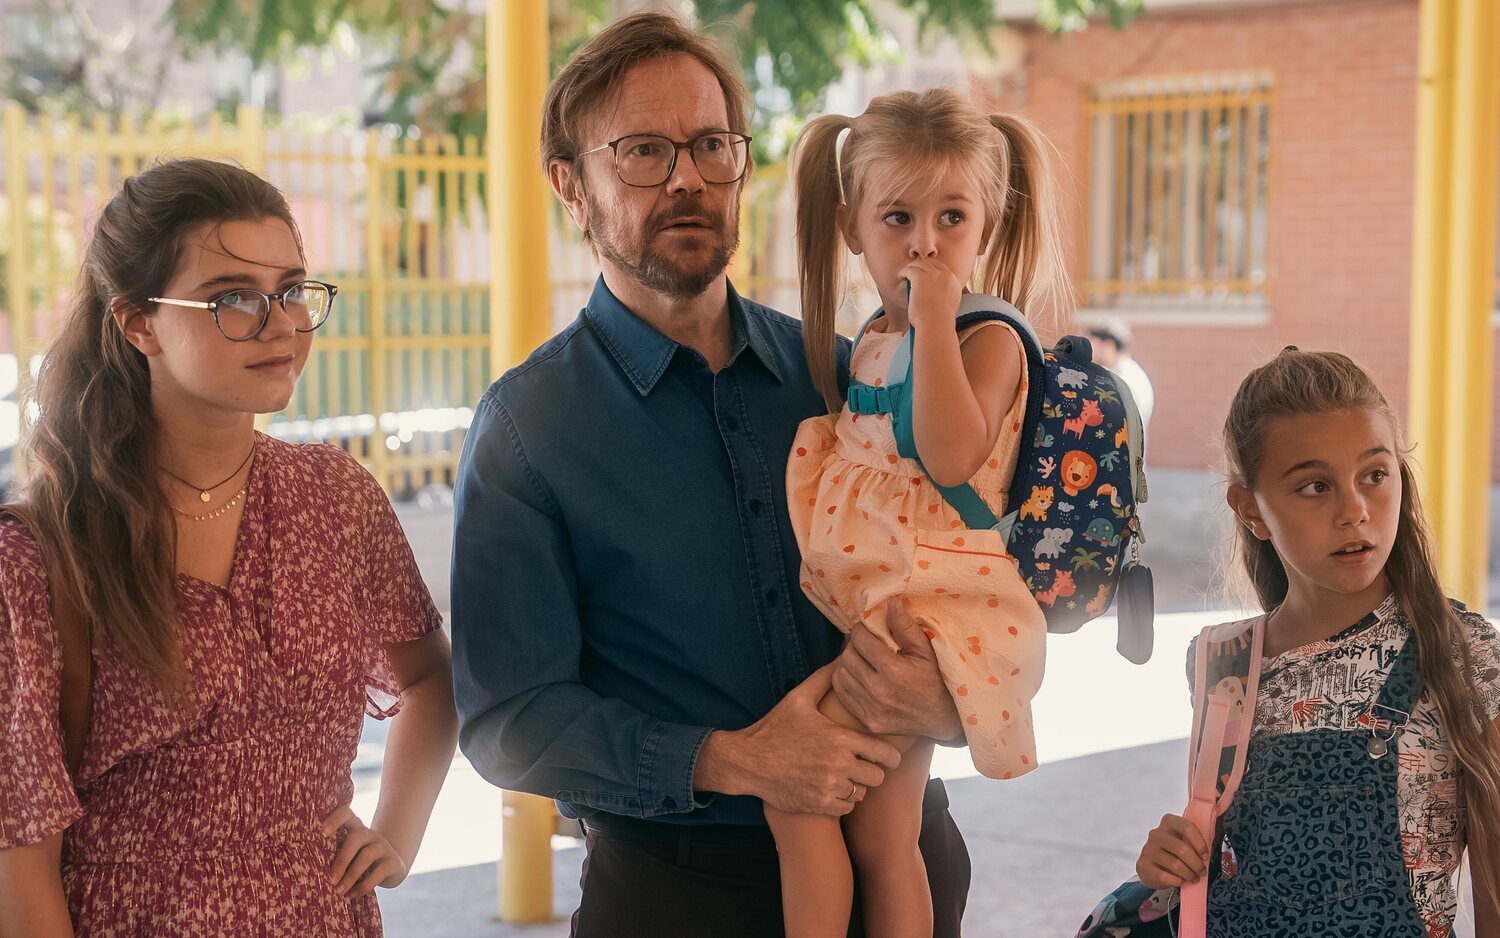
(961, 395)
(31, 893)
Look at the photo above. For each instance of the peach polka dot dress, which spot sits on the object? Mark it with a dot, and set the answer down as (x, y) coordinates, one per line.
(872, 527)
(202, 819)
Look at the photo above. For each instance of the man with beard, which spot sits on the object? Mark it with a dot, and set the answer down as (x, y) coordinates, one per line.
(629, 633)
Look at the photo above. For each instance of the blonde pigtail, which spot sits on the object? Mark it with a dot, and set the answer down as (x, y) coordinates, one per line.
(818, 188)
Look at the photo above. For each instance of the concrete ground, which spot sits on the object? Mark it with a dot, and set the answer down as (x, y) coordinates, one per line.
(1045, 847)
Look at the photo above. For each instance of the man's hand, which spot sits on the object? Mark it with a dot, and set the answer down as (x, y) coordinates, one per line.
(895, 693)
(794, 758)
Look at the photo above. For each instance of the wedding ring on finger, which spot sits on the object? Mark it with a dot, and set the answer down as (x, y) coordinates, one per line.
(853, 791)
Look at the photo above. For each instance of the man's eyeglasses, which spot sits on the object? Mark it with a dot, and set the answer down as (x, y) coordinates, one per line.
(241, 314)
(646, 160)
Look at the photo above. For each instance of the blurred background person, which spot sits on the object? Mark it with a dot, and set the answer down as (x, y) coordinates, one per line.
(1112, 350)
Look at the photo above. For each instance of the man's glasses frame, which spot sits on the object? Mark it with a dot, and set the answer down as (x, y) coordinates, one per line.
(736, 140)
(266, 299)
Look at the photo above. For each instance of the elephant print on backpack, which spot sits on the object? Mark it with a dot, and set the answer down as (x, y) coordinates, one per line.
(1052, 542)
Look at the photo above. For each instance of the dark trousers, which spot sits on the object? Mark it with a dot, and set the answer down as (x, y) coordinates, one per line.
(655, 880)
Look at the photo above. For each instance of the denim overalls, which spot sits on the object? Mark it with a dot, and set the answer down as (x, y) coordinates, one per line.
(1316, 831)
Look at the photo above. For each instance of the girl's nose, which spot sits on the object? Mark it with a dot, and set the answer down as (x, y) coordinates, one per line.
(279, 322)
(1352, 509)
(923, 243)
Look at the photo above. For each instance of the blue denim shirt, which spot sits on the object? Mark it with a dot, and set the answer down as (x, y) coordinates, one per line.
(625, 577)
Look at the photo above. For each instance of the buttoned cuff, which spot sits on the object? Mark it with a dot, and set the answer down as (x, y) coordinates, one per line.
(668, 761)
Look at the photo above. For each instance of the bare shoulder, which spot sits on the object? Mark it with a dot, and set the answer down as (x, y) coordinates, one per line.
(992, 336)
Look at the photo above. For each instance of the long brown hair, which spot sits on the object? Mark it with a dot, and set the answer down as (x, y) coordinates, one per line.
(104, 522)
(902, 137)
(1296, 383)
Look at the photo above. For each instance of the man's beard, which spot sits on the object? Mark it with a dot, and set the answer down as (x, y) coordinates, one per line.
(635, 253)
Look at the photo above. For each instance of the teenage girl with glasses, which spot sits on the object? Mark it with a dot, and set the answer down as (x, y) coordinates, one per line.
(195, 617)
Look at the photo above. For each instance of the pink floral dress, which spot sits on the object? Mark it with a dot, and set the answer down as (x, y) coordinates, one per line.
(203, 819)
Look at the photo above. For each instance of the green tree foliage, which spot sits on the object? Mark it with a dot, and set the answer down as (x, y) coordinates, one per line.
(429, 54)
(55, 58)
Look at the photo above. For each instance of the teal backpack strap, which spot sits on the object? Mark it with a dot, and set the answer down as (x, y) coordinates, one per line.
(866, 398)
(975, 513)
(894, 398)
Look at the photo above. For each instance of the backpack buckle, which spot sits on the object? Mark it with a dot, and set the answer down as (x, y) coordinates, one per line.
(865, 399)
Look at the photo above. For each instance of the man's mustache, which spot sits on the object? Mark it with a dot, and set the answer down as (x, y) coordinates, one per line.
(709, 217)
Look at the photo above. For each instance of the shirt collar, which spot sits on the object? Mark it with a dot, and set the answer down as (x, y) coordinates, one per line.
(643, 353)
(755, 332)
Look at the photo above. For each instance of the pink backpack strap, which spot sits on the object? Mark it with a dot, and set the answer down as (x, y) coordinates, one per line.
(1215, 740)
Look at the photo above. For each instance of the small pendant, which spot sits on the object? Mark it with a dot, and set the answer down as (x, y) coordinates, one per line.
(1377, 747)
(203, 497)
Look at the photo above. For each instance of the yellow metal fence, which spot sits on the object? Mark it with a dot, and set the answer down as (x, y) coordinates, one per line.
(399, 224)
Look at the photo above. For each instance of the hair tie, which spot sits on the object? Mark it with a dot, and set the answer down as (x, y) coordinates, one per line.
(838, 161)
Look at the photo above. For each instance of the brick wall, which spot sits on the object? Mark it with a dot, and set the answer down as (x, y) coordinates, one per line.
(1343, 138)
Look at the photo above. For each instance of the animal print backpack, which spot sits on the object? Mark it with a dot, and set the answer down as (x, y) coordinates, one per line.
(1073, 525)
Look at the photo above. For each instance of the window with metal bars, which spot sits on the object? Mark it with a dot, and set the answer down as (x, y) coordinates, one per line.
(1179, 179)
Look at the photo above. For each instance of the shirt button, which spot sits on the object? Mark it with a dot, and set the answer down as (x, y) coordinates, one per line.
(755, 506)
(731, 424)
(772, 597)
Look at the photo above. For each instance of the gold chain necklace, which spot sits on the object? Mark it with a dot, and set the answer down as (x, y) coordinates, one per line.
(233, 500)
(203, 493)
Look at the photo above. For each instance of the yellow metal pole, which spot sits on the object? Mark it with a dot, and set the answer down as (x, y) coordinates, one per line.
(18, 288)
(526, 858)
(1468, 410)
(520, 319)
(518, 195)
(1453, 280)
(1429, 339)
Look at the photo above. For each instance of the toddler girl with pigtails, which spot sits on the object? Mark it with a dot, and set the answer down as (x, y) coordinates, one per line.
(934, 196)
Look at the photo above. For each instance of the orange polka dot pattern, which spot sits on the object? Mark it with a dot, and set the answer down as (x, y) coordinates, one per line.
(873, 528)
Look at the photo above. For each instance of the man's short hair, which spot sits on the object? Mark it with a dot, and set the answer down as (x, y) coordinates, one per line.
(592, 76)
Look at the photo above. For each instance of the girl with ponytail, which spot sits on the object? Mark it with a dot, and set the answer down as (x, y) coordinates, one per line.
(1370, 676)
(952, 211)
(195, 617)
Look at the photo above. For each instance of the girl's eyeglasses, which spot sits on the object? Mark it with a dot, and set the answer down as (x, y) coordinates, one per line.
(241, 314)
